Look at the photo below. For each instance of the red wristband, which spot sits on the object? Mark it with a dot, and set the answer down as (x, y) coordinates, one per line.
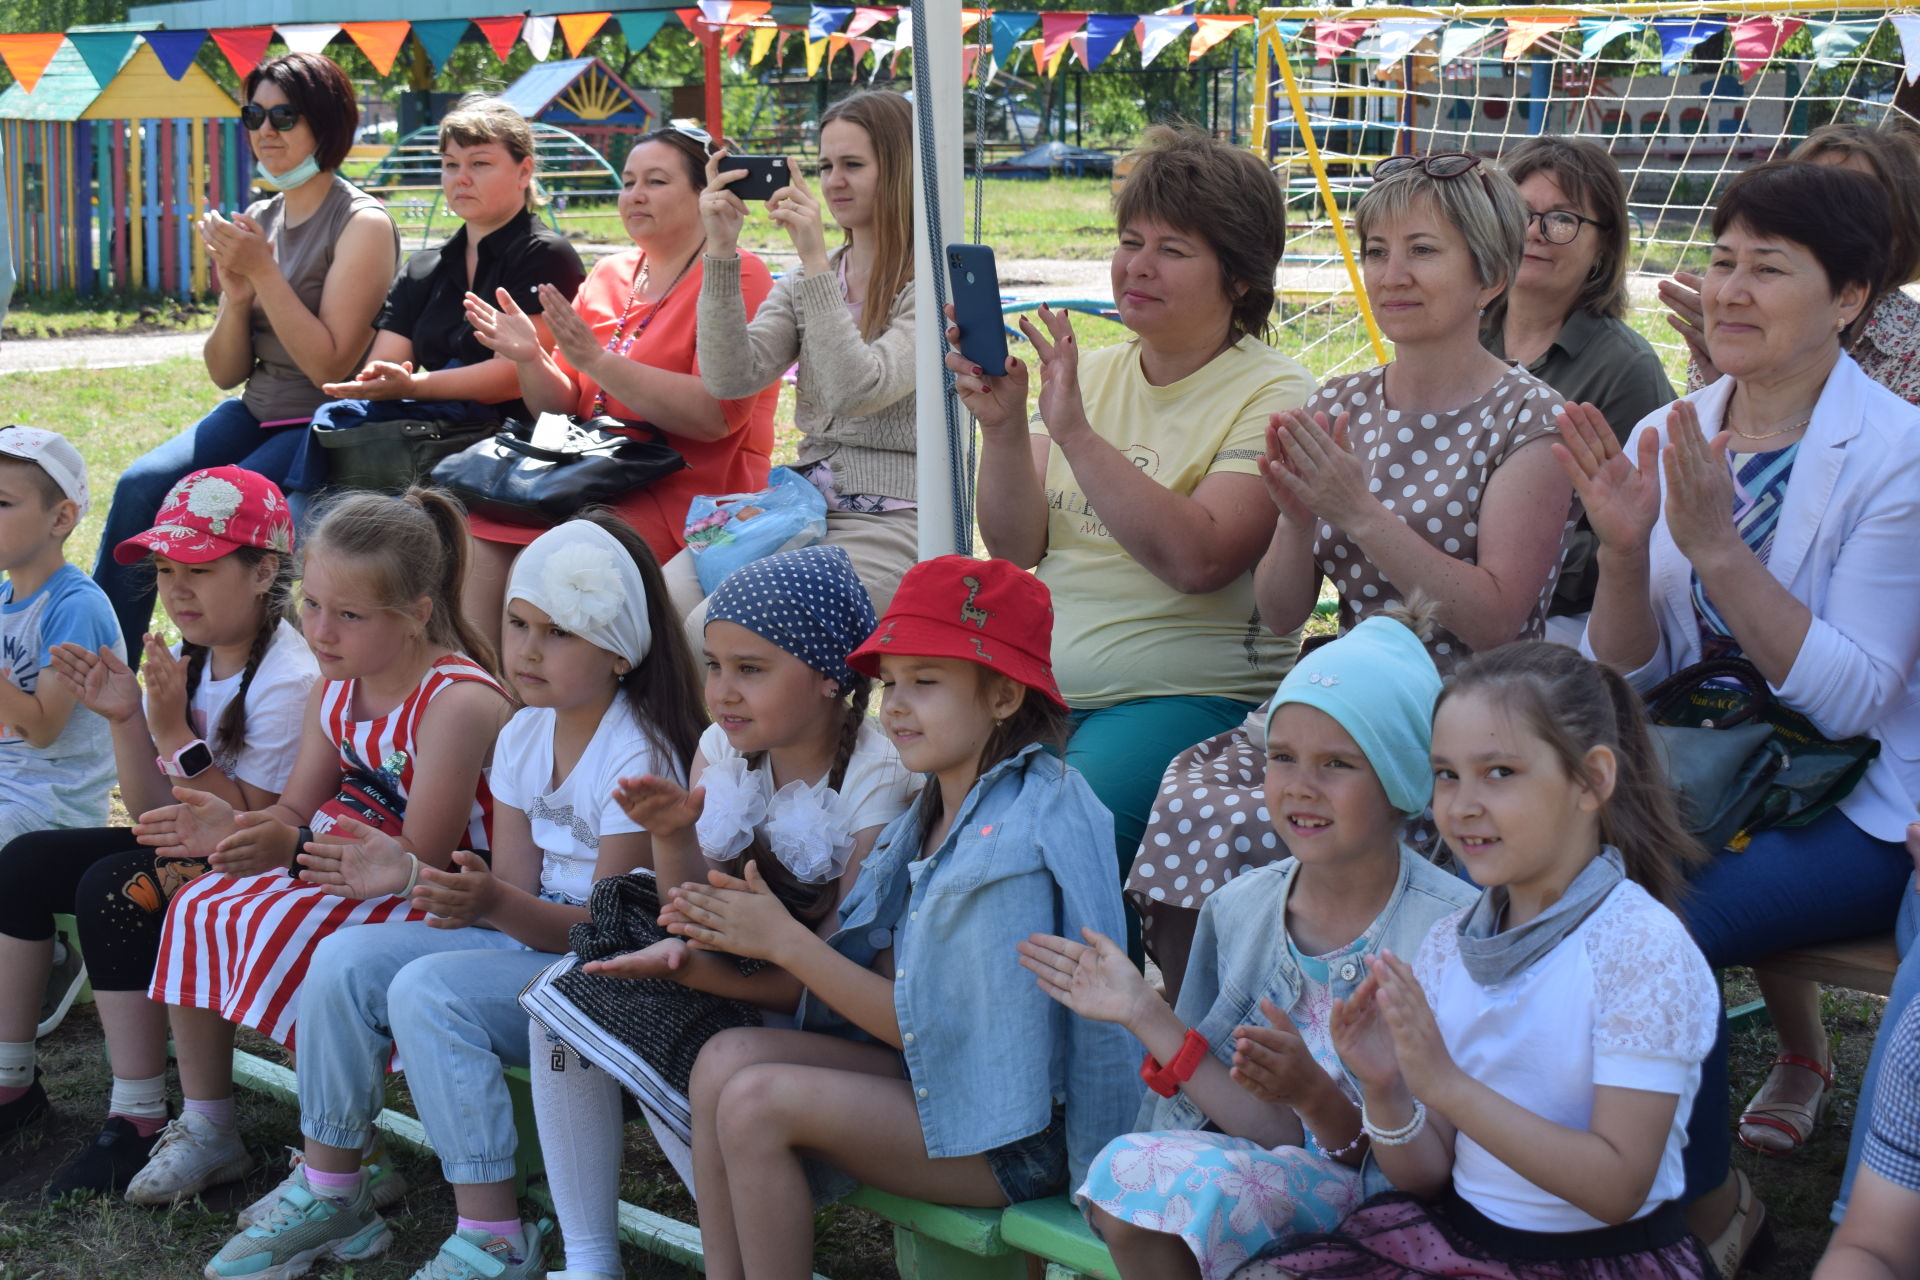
(1166, 1081)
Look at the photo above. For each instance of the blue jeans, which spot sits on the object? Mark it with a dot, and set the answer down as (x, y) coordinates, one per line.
(1906, 985)
(449, 998)
(230, 434)
(1792, 887)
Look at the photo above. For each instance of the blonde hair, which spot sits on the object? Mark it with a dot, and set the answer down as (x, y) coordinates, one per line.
(888, 119)
(481, 118)
(1892, 151)
(1482, 204)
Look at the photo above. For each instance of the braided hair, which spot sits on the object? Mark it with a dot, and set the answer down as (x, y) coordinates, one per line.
(230, 734)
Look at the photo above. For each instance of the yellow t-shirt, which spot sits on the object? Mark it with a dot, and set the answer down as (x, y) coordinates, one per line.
(1119, 633)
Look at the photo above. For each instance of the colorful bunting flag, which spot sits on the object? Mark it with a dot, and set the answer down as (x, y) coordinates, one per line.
(27, 56)
(1462, 36)
(579, 28)
(969, 19)
(177, 49)
(826, 20)
(380, 41)
(1679, 36)
(1055, 30)
(438, 38)
(501, 32)
(1332, 38)
(969, 57)
(1156, 31)
(244, 46)
(1908, 25)
(1597, 33)
(1524, 33)
(816, 50)
(715, 11)
(103, 51)
(1210, 29)
(1755, 40)
(308, 37)
(866, 18)
(641, 26)
(1833, 41)
(1398, 37)
(1105, 31)
(763, 38)
(1008, 27)
(538, 33)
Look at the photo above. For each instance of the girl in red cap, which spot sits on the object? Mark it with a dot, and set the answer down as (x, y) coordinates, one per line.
(221, 713)
(926, 1064)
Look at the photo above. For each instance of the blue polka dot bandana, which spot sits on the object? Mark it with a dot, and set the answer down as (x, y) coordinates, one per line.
(809, 602)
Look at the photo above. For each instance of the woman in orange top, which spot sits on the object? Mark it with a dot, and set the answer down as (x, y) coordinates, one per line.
(625, 348)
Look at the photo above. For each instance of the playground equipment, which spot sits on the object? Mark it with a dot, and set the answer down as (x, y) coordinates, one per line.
(108, 176)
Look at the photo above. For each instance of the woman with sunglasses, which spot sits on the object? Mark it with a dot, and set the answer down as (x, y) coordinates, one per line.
(626, 347)
(1562, 319)
(1428, 474)
(302, 275)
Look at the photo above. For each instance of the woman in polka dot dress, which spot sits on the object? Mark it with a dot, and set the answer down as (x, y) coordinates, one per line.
(1429, 473)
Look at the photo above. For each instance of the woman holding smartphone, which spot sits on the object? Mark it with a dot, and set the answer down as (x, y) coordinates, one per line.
(846, 317)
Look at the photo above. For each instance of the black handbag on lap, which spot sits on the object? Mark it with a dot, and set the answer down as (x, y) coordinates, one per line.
(507, 477)
(387, 456)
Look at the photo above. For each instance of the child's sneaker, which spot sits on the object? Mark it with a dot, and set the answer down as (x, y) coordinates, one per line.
(192, 1154)
(68, 975)
(478, 1255)
(108, 1165)
(385, 1183)
(302, 1229)
(15, 1116)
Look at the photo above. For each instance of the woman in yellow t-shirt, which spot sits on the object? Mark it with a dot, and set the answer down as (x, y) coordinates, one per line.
(1135, 493)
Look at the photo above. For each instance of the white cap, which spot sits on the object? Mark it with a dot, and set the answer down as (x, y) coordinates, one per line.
(54, 454)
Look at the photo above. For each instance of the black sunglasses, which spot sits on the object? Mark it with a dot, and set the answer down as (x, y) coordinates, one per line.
(1442, 165)
(282, 117)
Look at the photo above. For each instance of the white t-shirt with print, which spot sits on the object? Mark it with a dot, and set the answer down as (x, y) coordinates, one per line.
(875, 790)
(276, 711)
(569, 818)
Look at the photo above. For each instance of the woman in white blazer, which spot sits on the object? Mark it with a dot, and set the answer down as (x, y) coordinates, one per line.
(1775, 515)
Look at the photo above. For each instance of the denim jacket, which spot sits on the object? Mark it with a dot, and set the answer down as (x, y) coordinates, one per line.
(1240, 956)
(988, 1053)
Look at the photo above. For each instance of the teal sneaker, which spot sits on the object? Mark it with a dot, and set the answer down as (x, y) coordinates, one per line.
(301, 1230)
(386, 1184)
(477, 1255)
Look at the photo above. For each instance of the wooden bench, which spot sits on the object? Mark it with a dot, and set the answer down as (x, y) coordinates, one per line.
(943, 1242)
(1054, 1230)
(1858, 964)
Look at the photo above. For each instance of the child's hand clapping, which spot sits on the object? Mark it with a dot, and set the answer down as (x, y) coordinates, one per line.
(661, 960)
(1094, 979)
(357, 862)
(1273, 1063)
(463, 896)
(1361, 1038)
(100, 682)
(165, 677)
(194, 828)
(660, 805)
(1417, 1044)
(746, 921)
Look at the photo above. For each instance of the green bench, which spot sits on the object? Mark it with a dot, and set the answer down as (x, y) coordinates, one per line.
(1054, 1229)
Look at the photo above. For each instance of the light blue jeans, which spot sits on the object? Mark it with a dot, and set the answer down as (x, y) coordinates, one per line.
(1906, 985)
(449, 998)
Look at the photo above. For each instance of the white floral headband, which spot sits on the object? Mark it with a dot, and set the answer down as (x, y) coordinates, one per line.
(580, 576)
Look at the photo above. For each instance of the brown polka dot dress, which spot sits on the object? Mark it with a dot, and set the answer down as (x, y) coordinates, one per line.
(1210, 821)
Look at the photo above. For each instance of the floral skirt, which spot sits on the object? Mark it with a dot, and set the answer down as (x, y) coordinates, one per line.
(1395, 1237)
(1227, 1198)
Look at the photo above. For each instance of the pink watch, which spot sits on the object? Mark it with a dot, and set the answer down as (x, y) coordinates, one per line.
(188, 762)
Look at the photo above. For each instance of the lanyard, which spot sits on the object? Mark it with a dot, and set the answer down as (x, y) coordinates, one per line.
(618, 346)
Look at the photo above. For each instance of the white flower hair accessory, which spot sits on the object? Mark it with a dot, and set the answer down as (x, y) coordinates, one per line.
(214, 500)
(735, 804)
(580, 575)
(806, 827)
(584, 585)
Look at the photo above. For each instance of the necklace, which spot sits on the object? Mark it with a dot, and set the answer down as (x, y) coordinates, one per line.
(1768, 435)
(620, 346)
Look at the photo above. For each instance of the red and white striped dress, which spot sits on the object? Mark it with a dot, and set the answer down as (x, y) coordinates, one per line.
(241, 946)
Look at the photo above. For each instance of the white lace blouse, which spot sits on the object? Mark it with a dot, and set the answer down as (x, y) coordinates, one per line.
(1627, 1000)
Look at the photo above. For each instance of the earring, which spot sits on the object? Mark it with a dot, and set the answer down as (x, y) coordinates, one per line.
(1481, 312)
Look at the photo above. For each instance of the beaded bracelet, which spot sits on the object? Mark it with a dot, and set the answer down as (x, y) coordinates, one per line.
(1395, 1137)
(1347, 1150)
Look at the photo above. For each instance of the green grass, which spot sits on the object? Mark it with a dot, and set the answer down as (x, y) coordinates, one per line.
(66, 315)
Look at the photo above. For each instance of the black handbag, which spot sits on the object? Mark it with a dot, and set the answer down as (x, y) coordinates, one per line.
(1739, 761)
(509, 478)
(389, 456)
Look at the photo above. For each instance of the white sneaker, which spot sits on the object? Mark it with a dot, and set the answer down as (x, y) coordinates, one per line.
(191, 1154)
(385, 1184)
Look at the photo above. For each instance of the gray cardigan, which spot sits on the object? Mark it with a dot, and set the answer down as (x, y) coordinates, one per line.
(854, 399)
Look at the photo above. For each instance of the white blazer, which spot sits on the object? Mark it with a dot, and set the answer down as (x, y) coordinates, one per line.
(1848, 547)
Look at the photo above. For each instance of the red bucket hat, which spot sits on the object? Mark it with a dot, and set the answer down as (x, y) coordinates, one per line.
(984, 611)
(212, 513)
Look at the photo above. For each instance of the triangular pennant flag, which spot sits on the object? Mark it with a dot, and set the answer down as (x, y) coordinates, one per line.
(380, 41)
(1908, 25)
(1398, 37)
(826, 20)
(763, 38)
(882, 49)
(1457, 39)
(730, 38)
(501, 32)
(1833, 41)
(1755, 40)
(969, 58)
(1597, 33)
(641, 26)
(1155, 32)
(715, 11)
(438, 38)
(27, 56)
(749, 11)
(177, 49)
(860, 45)
(538, 33)
(969, 19)
(1007, 29)
(309, 37)
(836, 41)
(1210, 29)
(1055, 30)
(816, 50)
(1524, 33)
(1333, 38)
(1678, 36)
(244, 46)
(1077, 46)
(866, 18)
(579, 28)
(1105, 31)
(103, 51)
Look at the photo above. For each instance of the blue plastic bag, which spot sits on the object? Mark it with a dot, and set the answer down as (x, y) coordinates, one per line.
(728, 530)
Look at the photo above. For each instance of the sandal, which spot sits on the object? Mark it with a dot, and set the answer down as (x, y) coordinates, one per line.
(1748, 1236)
(1796, 1120)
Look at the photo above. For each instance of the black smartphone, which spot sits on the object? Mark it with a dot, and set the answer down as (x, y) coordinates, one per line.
(765, 175)
(974, 285)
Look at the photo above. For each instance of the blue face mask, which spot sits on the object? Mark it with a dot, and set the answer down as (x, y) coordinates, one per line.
(291, 178)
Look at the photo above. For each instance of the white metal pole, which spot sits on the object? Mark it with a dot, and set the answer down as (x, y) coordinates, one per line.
(937, 101)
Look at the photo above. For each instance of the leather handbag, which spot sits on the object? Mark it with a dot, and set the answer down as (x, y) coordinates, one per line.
(1739, 761)
(389, 456)
(507, 477)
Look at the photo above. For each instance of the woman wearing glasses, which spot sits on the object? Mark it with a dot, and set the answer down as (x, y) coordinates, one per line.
(302, 276)
(1428, 474)
(1562, 319)
(626, 348)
